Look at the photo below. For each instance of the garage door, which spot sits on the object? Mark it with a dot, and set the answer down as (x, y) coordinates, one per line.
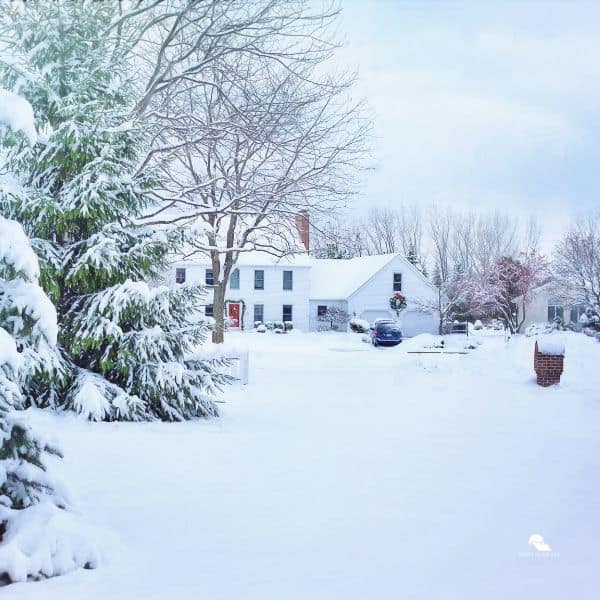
(414, 322)
(371, 315)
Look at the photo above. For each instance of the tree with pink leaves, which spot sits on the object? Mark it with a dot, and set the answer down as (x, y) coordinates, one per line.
(506, 287)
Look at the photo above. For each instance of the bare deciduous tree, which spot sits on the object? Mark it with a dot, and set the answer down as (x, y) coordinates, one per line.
(260, 144)
(381, 228)
(576, 266)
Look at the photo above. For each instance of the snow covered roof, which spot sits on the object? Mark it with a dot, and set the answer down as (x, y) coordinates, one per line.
(255, 258)
(333, 279)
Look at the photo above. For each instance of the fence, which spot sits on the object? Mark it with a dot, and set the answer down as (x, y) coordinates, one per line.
(239, 365)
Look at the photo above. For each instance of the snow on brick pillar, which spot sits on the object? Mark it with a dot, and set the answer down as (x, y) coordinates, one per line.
(548, 360)
(303, 227)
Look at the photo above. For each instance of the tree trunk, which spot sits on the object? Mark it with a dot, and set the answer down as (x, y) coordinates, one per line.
(219, 312)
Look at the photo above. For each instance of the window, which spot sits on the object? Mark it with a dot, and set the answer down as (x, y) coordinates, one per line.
(208, 277)
(288, 280)
(576, 312)
(259, 313)
(259, 279)
(180, 275)
(555, 310)
(397, 282)
(287, 312)
(234, 280)
(321, 310)
(208, 310)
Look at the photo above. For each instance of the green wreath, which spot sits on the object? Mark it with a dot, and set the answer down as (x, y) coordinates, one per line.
(398, 302)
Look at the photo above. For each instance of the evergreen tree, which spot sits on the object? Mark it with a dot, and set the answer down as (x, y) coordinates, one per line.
(26, 317)
(80, 197)
(412, 257)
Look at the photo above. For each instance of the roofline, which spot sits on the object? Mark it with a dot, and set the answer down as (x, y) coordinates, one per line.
(195, 263)
(394, 255)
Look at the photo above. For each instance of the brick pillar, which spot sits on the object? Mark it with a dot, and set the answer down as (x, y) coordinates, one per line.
(548, 367)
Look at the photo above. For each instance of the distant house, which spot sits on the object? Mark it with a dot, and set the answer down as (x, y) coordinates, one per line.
(545, 307)
(300, 289)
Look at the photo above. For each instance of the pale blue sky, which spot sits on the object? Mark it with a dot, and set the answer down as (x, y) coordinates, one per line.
(488, 104)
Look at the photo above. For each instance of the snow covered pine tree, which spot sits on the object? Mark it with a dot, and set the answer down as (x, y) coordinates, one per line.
(130, 348)
(37, 538)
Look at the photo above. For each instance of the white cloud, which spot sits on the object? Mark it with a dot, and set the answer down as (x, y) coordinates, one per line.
(492, 108)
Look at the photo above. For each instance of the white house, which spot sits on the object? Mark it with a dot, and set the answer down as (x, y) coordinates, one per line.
(546, 307)
(363, 287)
(261, 287)
(300, 288)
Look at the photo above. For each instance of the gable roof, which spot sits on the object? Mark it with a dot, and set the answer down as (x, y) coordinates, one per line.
(251, 258)
(338, 279)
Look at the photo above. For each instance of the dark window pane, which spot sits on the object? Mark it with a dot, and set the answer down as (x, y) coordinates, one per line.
(234, 280)
(397, 282)
(208, 277)
(208, 310)
(321, 310)
(180, 275)
(259, 280)
(287, 312)
(259, 312)
(288, 280)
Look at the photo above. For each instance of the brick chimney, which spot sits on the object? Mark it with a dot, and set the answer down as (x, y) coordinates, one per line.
(303, 227)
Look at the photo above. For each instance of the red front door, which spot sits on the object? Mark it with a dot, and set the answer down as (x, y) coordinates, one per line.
(233, 312)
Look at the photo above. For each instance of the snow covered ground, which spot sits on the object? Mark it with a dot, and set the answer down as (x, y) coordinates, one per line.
(348, 472)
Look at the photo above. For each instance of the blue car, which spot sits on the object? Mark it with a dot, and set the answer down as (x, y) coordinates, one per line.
(386, 334)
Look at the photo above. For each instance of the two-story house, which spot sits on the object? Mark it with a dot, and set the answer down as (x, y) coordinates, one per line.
(300, 289)
(261, 288)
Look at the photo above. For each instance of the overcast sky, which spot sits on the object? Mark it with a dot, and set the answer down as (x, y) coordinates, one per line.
(484, 104)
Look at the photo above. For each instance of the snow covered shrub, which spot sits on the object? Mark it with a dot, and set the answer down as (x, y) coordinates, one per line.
(478, 325)
(80, 196)
(288, 325)
(257, 324)
(38, 538)
(539, 328)
(261, 329)
(269, 325)
(359, 325)
(590, 322)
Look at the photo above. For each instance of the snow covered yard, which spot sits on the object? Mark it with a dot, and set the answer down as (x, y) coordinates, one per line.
(345, 471)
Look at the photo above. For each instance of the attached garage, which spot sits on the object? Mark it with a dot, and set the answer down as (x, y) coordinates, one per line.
(364, 286)
(371, 315)
(414, 322)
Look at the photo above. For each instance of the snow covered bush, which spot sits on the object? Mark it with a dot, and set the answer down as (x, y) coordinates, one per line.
(359, 325)
(80, 196)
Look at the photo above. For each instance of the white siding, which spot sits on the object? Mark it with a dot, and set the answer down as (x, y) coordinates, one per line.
(371, 300)
(273, 297)
(537, 310)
